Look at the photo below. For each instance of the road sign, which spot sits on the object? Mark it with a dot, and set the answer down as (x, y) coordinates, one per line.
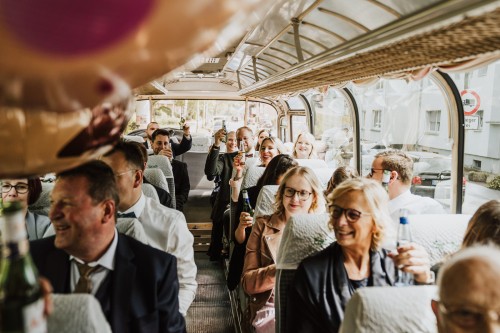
(470, 101)
(472, 122)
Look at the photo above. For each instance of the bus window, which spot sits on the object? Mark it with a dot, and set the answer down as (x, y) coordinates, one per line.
(479, 90)
(299, 124)
(333, 127)
(413, 117)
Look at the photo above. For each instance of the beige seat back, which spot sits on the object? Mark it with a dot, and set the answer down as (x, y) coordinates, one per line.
(161, 162)
(303, 236)
(390, 309)
(156, 177)
(150, 192)
(265, 201)
(313, 163)
(42, 205)
(251, 177)
(77, 313)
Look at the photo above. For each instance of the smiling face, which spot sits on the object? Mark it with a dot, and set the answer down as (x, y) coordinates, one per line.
(16, 186)
(356, 236)
(262, 136)
(232, 143)
(80, 224)
(303, 147)
(294, 205)
(246, 137)
(267, 151)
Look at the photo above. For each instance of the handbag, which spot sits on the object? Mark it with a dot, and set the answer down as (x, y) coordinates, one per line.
(264, 321)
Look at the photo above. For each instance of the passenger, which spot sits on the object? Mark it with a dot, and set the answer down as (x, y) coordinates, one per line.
(261, 135)
(176, 147)
(27, 191)
(130, 279)
(273, 174)
(484, 226)
(163, 195)
(221, 166)
(165, 228)
(339, 175)
(304, 146)
(325, 282)
(401, 167)
(269, 148)
(469, 297)
(162, 146)
(299, 193)
(244, 134)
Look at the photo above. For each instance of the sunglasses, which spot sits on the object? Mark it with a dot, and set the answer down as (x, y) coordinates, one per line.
(372, 171)
(351, 215)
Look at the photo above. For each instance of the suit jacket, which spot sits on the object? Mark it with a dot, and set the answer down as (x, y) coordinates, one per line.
(182, 185)
(143, 289)
(220, 165)
(164, 196)
(177, 148)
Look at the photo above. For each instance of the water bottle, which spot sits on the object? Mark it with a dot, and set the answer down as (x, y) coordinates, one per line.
(21, 298)
(247, 207)
(386, 177)
(404, 237)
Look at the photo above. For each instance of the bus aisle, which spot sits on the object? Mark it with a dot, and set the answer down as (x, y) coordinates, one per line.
(211, 308)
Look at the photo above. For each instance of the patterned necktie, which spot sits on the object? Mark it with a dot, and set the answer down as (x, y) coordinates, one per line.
(84, 284)
(131, 214)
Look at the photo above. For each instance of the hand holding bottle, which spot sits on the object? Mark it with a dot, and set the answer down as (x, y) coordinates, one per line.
(413, 259)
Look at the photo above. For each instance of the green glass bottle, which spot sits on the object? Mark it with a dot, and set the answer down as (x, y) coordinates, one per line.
(21, 298)
(247, 207)
(224, 139)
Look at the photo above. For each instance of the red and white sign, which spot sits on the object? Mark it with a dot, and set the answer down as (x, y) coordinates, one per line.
(470, 101)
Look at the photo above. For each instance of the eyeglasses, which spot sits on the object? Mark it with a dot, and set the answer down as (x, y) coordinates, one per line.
(303, 194)
(351, 215)
(468, 317)
(20, 188)
(372, 171)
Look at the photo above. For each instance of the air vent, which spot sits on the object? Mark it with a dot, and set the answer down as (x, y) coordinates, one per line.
(212, 60)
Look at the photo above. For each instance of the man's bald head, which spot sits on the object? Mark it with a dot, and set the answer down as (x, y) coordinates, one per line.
(468, 289)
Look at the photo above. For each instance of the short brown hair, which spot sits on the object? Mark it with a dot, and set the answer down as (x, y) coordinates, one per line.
(396, 160)
(339, 175)
(484, 226)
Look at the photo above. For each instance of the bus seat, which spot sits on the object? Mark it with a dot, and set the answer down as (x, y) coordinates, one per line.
(304, 235)
(162, 163)
(252, 176)
(324, 175)
(150, 192)
(390, 309)
(77, 313)
(265, 201)
(312, 163)
(132, 227)
(156, 177)
(133, 138)
(42, 205)
(440, 234)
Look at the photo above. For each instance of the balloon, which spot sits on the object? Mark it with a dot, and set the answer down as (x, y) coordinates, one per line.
(68, 55)
(36, 142)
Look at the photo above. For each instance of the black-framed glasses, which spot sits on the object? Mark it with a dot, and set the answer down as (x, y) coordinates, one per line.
(468, 317)
(20, 188)
(291, 192)
(351, 215)
(372, 171)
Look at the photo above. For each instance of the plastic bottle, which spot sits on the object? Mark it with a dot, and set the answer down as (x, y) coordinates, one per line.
(404, 237)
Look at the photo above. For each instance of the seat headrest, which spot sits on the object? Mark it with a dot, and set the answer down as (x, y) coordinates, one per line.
(265, 201)
(304, 235)
(160, 162)
(252, 176)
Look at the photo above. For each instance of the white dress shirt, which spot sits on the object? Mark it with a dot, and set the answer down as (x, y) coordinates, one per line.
(167, 230)
(106, 263)
(415, 204)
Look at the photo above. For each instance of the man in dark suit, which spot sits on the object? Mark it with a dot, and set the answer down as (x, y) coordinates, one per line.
(221, 166)
(178, 148)
(162, 146)
(135, 284)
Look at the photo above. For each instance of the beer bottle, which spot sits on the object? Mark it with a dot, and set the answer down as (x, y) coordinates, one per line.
(21, 299)
(247, 207)
(182, 122)
(225, 131)
(242, 153)
(404, 237)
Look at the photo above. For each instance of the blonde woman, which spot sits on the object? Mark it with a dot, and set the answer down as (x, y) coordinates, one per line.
(299, 193)
(303, 147)
(325, 282)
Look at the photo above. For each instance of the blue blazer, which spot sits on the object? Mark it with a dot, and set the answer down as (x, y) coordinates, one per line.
(143, 290)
